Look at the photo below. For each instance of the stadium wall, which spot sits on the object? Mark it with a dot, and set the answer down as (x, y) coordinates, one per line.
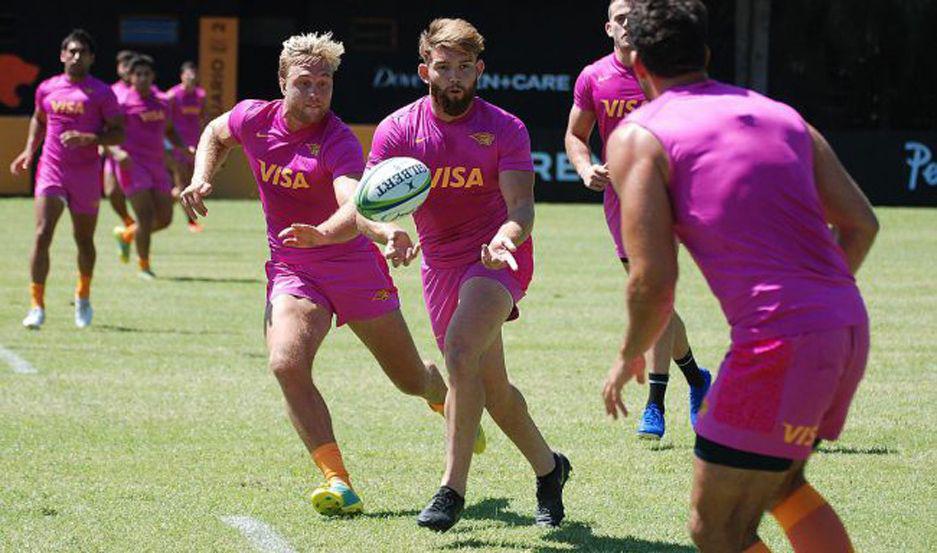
(818, 58)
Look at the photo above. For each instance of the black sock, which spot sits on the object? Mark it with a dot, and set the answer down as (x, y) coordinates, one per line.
(658, 388)
(690, 370)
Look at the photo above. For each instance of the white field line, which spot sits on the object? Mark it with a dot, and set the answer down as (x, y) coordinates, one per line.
(263, 537)
(17, 363)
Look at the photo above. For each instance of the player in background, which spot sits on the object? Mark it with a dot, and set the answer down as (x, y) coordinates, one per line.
(474, 229)
(141, 169)
(74, 113)
(111, 189)
(605, 93)
(187, 106)
(751, 191)
(307, 163)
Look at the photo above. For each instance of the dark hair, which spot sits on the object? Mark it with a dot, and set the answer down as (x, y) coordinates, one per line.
(124, 56)
(669, 35)
(79, 35)
(188, 65)
(142, 60)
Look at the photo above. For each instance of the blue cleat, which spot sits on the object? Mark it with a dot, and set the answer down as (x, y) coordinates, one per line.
(336, 498)
(652, 423)
(697, 394)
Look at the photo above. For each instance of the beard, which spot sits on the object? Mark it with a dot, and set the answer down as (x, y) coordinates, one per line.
(450, 107)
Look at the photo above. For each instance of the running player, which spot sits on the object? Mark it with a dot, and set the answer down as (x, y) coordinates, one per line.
(187, 106)
(307, 164)
(111, 189)
(141, 169)
(74, 114)
(606, 92)
(750, 190)
(478, 256)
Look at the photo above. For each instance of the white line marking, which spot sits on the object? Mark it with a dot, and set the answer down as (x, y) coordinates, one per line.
(262, 536)
(17, 363)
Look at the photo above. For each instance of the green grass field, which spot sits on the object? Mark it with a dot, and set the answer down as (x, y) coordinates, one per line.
(142, 432)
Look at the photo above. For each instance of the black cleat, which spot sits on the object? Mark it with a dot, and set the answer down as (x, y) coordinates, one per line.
(550, 512)
(443, 511)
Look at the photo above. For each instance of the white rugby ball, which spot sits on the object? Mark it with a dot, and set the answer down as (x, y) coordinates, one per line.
(393, 188)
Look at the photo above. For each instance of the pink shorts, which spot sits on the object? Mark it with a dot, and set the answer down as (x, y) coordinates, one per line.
(612, 207)
(144, 175)
(78, 185)
(441, 287)
(778, 396)
(355, 286)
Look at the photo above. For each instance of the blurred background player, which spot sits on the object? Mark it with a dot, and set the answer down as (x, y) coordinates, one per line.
(750, 189)
(307, 164)
(111, 189)
(606, 92)
(477, 256)
(141, 170)
(74, 114)
(187, 106)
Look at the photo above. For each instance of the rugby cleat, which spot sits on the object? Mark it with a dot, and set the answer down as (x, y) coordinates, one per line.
(83, 312)
(146, 274)
(35, 318)
(550, 511)
(481, 442)
(652, 423)
(697, 394)
(443, 511)
(123, 247)
(336, 498)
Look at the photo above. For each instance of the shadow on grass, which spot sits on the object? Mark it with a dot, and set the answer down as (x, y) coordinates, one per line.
(134, 330)
(213, 280)
(842, 450)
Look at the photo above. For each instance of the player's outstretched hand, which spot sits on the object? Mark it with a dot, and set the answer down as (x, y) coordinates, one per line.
(192, 199)
(620, 373)
(21, 164)
(400, 249)
(596, 178)
(299, 235)
(499, 253)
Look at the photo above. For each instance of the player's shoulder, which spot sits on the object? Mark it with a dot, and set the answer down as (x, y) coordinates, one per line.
(257, 108)
(500, 117)
(593, 68)
(51, 83)
(337, 130)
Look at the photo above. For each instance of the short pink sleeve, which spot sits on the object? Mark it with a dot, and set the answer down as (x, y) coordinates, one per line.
(109, 106)
(343, 155)
(514, 148)
(240, 116)
(582, 93)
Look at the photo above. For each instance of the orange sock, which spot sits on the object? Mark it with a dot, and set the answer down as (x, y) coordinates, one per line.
(438, 407)
(128, 221)
(83, 289)
(37, 295)
(757, 547)
(144, 263)
(810, 523)
(329, 460)
(127, 236)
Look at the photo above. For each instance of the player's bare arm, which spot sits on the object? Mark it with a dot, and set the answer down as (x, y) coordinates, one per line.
(213, 147)
(517, 188)
(578, 130)
(111, 134)
(638, 167)
(844, 205)
(34, 136)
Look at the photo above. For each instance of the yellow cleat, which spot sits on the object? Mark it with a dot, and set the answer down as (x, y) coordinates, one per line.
(481, 442)
(123, 247)
(336, 498)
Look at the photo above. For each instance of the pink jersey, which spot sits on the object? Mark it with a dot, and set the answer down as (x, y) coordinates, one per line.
(120, 89)
(68, 106)
(747, 209)
(610, 91)
(295, 173)
(146, 119)
(465, 207)
(186, 109)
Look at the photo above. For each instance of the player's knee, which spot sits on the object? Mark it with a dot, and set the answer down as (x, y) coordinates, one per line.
(285, 366)
(44, 235)
(461, 360)
(706, 532)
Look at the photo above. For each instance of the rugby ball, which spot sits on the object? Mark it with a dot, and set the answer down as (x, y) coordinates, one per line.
(393, 188)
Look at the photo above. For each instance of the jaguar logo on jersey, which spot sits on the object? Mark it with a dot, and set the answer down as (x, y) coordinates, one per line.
(313, 149)
(274, 174)
(621, 108)
(381, 295)
(69, 107)
(483, 138)
(457, 177)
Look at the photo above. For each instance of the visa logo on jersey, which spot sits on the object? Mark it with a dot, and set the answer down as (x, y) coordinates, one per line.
(68, 107)
(800, 435)
(152, 115)
(457, 177)
(274, 174)
(621, 108)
